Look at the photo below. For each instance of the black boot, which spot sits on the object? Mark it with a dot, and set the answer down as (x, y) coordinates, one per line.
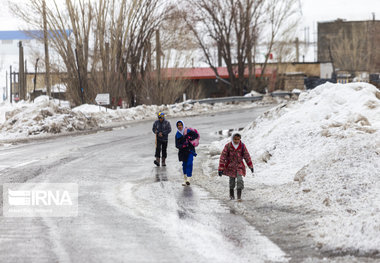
(232, 195)
(157, 161)
(239, 194)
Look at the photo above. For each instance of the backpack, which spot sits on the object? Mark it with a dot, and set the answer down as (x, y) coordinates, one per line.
(195, 141)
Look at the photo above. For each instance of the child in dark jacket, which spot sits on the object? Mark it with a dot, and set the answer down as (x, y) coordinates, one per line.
(161, 128)
(186, 150)
(231, 164)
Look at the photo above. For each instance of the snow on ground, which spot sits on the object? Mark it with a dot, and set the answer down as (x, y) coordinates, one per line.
(43, 116)
(320, 153)
(253, 94)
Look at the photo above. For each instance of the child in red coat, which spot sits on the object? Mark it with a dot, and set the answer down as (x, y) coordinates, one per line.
(231, 164)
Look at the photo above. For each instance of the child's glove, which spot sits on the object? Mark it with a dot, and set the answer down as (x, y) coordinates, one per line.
(220, 173)
(251, 169)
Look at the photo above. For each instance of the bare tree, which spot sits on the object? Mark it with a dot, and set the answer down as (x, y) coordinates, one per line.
(236, 26)
(123, 33)
(107, 47)
(231, 26)
(72, 45)
(281, 19)
(175, 53)
(350, 49)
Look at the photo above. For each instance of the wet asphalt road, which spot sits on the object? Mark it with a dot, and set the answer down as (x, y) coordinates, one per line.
(129, 210)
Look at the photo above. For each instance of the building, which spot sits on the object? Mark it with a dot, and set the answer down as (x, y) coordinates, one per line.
(300, 75)
(9, 56)
(321, 70)
(208, 85)
(9, 59)
(352, 46)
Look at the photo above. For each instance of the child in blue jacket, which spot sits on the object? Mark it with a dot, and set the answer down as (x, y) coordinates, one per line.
(186, 150)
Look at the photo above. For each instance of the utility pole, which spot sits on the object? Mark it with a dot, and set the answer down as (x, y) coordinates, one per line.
(297, 49)
(21, 82)
(35, 78)
(47, 62)
(10, 84)
(6, 85)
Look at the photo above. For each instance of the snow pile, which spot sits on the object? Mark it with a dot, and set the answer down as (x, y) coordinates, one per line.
(57, 88)
(40, 117)
(322, 153)
(253, 94)
(44, 116)
(142, 112)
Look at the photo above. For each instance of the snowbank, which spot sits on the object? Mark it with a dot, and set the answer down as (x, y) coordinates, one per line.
(253, 94)
(44, 116)
(322, 153)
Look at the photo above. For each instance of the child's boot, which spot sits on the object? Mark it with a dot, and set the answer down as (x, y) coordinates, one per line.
(163, 161)
(239, 195)
(185, 178)
(157, 161)
(232, 195)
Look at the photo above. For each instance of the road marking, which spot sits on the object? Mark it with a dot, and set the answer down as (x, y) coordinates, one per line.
(11, 151)
(24, 163)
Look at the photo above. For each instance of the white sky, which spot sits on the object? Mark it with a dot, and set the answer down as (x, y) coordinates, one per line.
(312, 10)
(327, 10)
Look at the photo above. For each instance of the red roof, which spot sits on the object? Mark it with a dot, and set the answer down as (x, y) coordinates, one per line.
(204, 73)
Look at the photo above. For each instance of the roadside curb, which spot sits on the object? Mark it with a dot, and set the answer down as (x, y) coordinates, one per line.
(102, 128)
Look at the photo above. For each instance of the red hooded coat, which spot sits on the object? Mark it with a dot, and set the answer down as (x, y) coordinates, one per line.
(231, 160)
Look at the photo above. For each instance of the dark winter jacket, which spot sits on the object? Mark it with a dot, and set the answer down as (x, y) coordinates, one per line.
(163, 127)
(182, 142)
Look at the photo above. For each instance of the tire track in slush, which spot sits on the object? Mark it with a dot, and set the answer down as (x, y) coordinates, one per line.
(190, 216)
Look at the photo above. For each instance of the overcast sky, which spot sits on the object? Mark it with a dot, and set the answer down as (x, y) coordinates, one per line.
(313, 11)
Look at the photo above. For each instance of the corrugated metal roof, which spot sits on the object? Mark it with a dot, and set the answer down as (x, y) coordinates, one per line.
(24, 35)
(204, 73)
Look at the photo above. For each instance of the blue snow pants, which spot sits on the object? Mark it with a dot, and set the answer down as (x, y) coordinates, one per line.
(187, 166)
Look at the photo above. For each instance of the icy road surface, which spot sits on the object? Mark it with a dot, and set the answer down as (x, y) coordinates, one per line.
(129, 210)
